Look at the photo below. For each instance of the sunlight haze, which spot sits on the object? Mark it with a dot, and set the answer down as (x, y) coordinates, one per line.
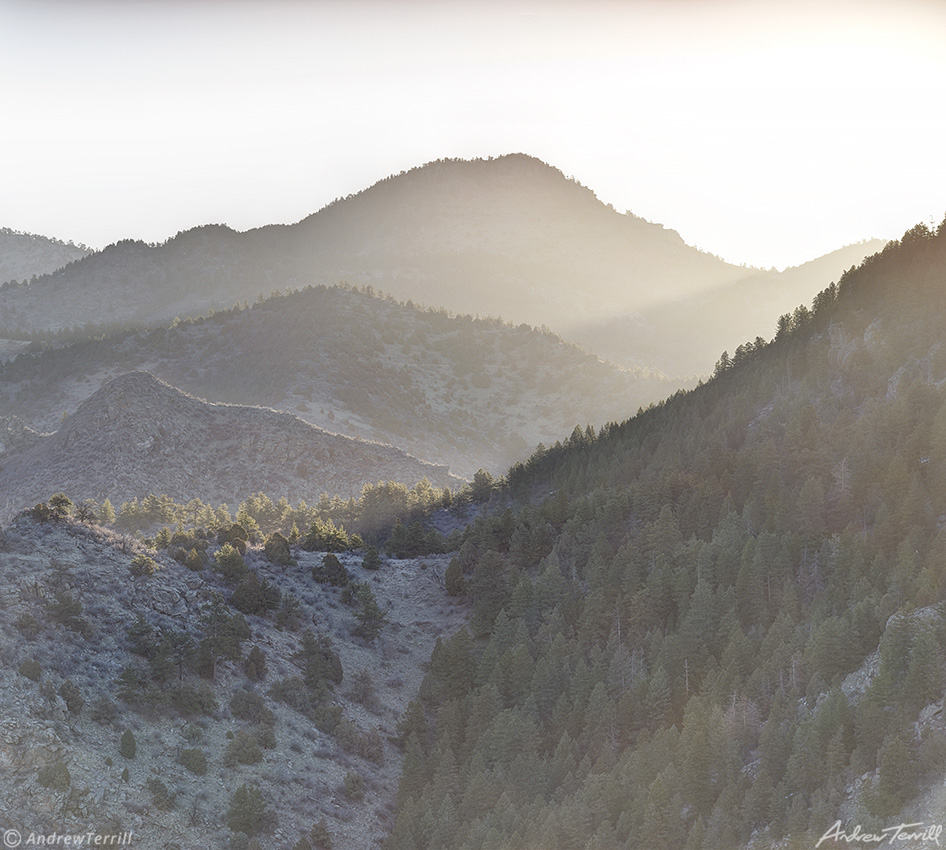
(765, 133)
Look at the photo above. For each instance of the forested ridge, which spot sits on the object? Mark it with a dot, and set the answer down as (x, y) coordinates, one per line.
(459, 390)
(666, 617)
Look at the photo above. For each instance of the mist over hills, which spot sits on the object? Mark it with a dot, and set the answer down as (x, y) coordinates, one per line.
(717, 624)
(27, 255)
(457, 391)
(510, 237)
(137, 432)
(682, 336)
(720, 623)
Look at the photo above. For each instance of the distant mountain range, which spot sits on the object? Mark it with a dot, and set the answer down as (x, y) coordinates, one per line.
(455, 391)
(137, 431)
(509, 237)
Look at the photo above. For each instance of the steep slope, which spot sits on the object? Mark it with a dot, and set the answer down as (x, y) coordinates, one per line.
(87, 661)
(137, 435)
(458, 391)
(720, 623)
(26, 255)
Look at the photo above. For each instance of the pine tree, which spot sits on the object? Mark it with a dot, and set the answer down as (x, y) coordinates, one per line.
(370, 617)
(106, 514)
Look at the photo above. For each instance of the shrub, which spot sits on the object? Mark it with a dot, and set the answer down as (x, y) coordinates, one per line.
(67, 611)
(248, 812)
(354, 785)
(255, 664)
(128, 747)
(55, 776)
(230, 563)
(142, 565)
(160, 795)
(31, 669)
(194, 760)
(370, 746)
(372, 560)
(60, 506)
(290, 613)
(236, 535)
(370, 616)
(243, 749)
(73, 699)
(320, 837)
(190, 700)
(41, 513)
(453, 578)
(103, 709)
(195, 560)
(276, 549)
(253, 596)
(362, 690)
(27, 625)
(248, 705)
(330, 571)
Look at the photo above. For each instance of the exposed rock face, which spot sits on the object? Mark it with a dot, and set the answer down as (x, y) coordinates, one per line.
(138, 434)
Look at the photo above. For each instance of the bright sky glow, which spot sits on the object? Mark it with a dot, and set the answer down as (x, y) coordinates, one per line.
(766, 132)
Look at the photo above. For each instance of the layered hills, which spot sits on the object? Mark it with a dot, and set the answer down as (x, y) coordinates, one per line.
(703, 325)
(137, 432)
(464, 392)
(510, 237)
(720, 623)
(717, 624)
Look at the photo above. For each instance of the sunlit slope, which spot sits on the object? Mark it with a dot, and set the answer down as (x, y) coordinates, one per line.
(720, 622)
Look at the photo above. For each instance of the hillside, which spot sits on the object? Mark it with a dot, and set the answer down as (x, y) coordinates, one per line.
(453, 390)
(24, 256)
(137, 435)
(510, 237)
(212, 698)
(719, 319)
(720, 623)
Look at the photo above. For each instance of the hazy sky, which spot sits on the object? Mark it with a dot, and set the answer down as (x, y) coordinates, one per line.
(765, 132)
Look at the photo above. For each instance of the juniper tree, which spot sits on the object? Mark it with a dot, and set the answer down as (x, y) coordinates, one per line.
(248, 812)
